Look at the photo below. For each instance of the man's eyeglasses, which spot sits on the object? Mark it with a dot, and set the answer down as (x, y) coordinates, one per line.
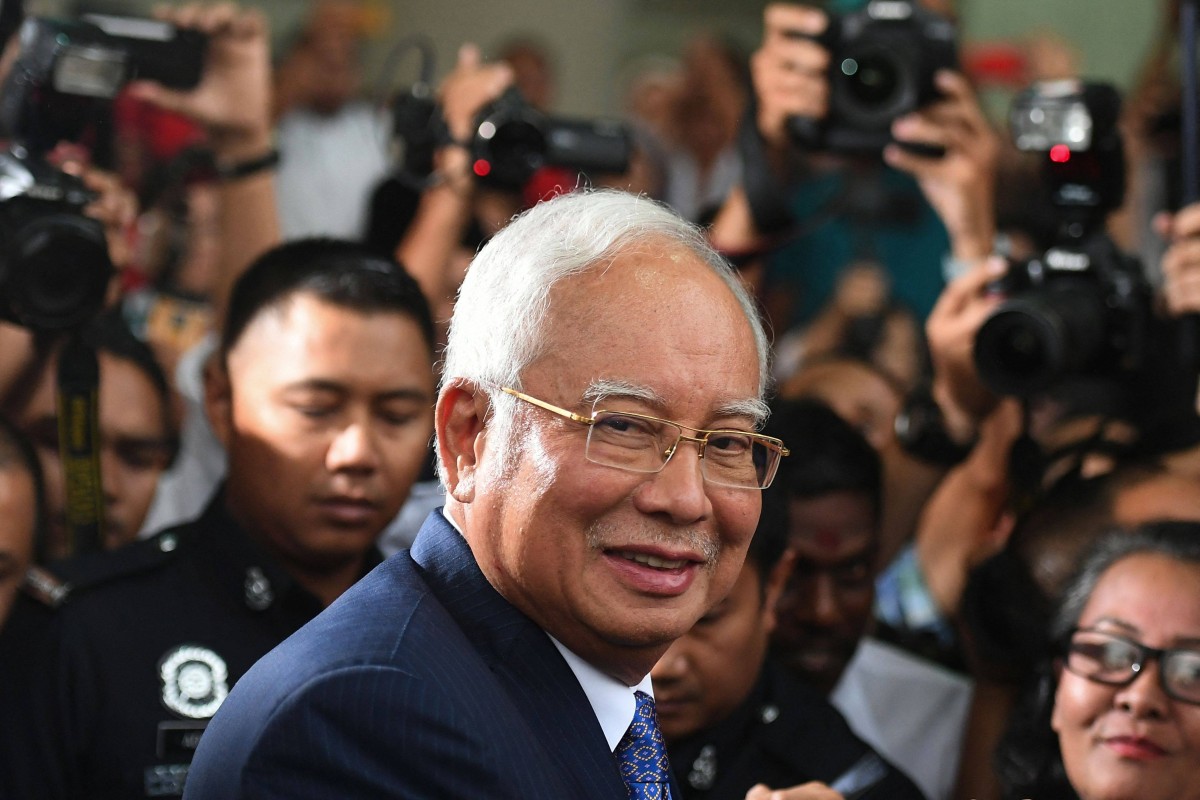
(1116, 660)
(641, 443)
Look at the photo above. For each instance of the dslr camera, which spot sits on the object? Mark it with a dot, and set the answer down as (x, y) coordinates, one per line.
(1082, 310)
(54, 263)
(511, 140)
(882, 64)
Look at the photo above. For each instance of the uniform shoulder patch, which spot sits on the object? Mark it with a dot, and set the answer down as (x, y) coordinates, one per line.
(85, 573)
(45, 587)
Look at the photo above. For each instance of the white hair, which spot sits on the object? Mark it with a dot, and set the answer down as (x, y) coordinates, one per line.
(496, 330)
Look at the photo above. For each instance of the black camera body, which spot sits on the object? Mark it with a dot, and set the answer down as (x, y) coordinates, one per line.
(513, 140)
(1078, 311)
(54, 267)
(1082, 310)
(67, 68)
(54, 262)
(883, 59)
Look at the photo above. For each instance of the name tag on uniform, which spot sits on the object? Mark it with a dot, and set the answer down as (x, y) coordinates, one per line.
(177, 740)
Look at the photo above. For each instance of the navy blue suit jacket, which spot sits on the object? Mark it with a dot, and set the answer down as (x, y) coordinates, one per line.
(421, 681)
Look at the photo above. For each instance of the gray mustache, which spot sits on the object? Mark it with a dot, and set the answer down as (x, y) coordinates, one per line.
(605, 535)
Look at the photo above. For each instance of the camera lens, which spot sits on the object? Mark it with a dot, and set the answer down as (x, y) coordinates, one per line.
(58, 271)
(1032, 342)
(872, 78)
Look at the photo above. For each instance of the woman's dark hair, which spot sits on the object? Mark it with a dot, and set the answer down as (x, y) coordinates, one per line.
(16, 452)
(1028, 760)
(339, 272)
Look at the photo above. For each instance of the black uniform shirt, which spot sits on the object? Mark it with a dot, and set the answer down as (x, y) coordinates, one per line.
(140, 655)
(784, 734)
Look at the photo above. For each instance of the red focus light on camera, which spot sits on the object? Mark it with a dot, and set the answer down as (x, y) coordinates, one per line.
(482, 167)
(1060, 154)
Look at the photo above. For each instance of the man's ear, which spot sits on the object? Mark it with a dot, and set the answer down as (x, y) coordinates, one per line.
(218, 398)
(460, 424)
(776, 580)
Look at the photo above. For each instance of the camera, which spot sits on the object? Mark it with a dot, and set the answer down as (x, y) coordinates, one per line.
(1082, 310)
(54, 262)
(66, 68)
(883, 59)
(512, 140)
(54, 267)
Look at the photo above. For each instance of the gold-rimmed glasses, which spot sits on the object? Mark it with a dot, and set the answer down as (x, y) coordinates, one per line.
(642, 443)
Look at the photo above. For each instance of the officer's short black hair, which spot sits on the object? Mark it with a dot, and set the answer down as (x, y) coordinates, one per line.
(16, 452)
(828, 454)
(770, 537)
(339, 272)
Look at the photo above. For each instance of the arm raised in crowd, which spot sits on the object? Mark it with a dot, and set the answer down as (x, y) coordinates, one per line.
(233, 102)
(788, 73)
(445, 209)
(960, 184)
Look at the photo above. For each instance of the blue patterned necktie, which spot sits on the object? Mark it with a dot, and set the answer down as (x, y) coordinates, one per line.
(642, 756)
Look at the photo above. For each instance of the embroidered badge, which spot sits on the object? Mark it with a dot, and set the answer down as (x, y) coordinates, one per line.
(195, 681)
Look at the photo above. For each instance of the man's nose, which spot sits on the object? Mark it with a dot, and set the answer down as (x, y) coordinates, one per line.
(353, 449)
(673, 664)
(678, 490)
(823, 606)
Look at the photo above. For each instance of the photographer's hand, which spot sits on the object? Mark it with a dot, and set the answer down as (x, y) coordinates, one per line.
(233, 102)
(233, 98)
(808, 791)
(1181, 262)
(469, 88)
(116, 208)
(789, 75)
(428, 248)
(789, 71)
(960, 185)
(950, 329)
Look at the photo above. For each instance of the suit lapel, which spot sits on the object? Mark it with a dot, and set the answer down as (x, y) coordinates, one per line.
(533, 673)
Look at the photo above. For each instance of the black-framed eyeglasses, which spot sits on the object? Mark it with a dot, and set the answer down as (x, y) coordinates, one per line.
(642, 443)
(1116, 660)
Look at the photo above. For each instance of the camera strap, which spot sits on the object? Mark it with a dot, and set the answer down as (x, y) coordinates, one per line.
(79, 444)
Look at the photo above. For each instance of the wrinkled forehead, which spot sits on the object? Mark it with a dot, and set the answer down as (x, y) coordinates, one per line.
(646, 283)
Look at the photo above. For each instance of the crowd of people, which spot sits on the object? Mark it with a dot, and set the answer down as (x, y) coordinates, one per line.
(394, 488)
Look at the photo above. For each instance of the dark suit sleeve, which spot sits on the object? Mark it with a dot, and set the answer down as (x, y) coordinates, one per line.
(361, 732)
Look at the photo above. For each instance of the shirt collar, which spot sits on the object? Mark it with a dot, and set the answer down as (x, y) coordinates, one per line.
(612, 701)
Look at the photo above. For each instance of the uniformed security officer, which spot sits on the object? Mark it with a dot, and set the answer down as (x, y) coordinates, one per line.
(733, 719)
(140, 646)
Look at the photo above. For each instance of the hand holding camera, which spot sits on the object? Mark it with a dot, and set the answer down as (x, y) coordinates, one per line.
(881, 66)
(1181, 262)
(960, 182)
(232, 98)
(789, 70)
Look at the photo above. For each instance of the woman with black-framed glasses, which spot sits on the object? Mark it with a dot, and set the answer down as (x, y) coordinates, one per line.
(1118, 717)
